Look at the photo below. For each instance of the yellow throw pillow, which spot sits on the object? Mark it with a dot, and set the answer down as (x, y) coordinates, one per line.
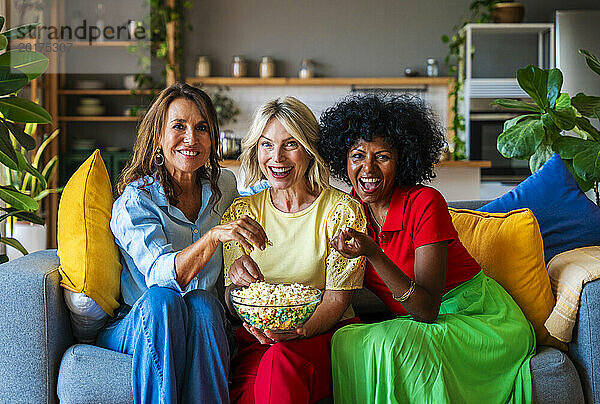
(89, 257)
(510, 250)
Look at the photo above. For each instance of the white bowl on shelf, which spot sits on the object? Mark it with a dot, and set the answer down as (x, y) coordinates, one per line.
(89, 84)
(90, 110)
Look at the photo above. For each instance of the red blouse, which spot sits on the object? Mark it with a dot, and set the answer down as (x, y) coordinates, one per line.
(417, 216)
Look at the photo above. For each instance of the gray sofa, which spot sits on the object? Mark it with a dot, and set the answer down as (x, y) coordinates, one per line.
(42, 363)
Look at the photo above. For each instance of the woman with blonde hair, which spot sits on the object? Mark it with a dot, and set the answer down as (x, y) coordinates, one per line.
(166, 224)
(301, 214)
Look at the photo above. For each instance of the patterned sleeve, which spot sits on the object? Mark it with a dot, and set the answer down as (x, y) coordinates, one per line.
(343, 273)
(232, 250)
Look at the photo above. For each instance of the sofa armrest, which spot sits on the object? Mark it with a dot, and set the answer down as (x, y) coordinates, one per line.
(584, 349)
(34, 328)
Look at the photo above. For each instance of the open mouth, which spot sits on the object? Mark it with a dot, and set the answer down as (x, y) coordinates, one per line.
(369, 184)
(280, 172)
(188, 153)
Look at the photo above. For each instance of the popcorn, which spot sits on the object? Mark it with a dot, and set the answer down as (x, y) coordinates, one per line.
(275, 307)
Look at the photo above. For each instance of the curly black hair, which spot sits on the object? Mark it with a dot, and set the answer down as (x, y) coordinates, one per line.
(405, 122)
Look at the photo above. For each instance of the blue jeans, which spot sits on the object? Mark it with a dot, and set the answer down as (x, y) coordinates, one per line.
(179, 347)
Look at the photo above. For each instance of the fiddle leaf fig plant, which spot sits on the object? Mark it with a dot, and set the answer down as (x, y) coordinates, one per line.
(555, 123)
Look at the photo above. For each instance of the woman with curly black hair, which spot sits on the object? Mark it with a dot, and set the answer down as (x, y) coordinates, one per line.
(459, 336)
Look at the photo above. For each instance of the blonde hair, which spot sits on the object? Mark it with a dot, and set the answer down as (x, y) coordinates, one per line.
(299, 121)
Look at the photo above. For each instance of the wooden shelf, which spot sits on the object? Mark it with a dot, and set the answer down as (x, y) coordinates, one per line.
(103, 92)
(102, 118)
(445, 163)
(321, 81)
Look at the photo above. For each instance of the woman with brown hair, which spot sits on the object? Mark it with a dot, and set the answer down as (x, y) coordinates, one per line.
(166, 224)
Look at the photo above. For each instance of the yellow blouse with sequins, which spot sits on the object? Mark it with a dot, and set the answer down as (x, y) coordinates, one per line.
(301, 250)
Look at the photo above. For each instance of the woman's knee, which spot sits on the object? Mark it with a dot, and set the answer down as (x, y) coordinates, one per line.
(159, 300)
(204, 305)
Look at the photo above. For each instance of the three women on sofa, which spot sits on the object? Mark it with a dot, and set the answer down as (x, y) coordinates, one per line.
(166, 223)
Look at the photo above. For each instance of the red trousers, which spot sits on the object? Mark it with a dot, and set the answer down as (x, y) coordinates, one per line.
(290, 372)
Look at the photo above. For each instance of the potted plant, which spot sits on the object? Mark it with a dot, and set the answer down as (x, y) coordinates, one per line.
(480, 11)
(17, 68)
(31, 233)
(556, 123)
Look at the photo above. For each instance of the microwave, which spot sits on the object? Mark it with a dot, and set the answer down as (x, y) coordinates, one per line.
(486, 123)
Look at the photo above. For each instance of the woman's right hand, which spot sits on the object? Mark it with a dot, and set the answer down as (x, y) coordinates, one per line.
(244, 230)
(351, 244)
(244, 271)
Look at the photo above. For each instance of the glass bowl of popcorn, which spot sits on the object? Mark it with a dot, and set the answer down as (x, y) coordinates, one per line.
(275, 307)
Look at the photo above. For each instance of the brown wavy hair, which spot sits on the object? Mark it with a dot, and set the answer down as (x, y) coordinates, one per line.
(143, 162)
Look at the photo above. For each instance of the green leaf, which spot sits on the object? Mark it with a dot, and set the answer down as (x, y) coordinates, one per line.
(568, 146)
(6, 146)
(22, 215)
(18, 200)
(47, 192)
(4, 159)
(549, 123)
(555, 81)
(20, 31)
(49, 168)
(11, 80)
(587, 163)
(21, 110)
(511, 122)
(515, 104)
(3, 42)
(585, 125)
(534, 81)
(591, 60)
(2, 21)
(588, 106)
(542, 153)
(564, 118)
(14, 243)
(583, 184)
(563, 101)
(33, 64)
(521, 140)
(23, 138)
(24, 165)
(3, 258)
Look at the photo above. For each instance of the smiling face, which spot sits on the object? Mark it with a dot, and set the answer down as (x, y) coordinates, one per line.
(372, 170)
(282, 159)
(185, 141)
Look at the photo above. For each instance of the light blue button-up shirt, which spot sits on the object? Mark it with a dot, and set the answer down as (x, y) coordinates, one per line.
(150, 232)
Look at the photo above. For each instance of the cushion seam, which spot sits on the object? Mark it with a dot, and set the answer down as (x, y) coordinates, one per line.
(46, 334)
(85, 250)
(589, 336)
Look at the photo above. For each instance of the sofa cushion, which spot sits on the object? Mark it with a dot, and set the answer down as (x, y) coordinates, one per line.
(90, 374)
(509, 248)
(567, 218)
(89, 257)
(554, 378)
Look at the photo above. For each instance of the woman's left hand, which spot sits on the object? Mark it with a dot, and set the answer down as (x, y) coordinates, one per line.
(351, 244)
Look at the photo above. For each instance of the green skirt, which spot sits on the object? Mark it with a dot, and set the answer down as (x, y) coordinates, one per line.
(477, 351)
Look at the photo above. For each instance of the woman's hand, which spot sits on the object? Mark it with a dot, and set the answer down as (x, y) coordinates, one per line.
(259, 335)
(351, 244)
(244, 271)
(270, 337)
(244, 230)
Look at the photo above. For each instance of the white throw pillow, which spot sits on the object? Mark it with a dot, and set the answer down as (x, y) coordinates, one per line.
(87, 317)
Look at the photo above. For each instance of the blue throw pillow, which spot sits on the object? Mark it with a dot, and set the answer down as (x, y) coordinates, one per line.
(567, 218)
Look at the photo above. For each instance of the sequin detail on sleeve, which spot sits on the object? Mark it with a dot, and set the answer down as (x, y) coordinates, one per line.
(232, 250)
(343, 273)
